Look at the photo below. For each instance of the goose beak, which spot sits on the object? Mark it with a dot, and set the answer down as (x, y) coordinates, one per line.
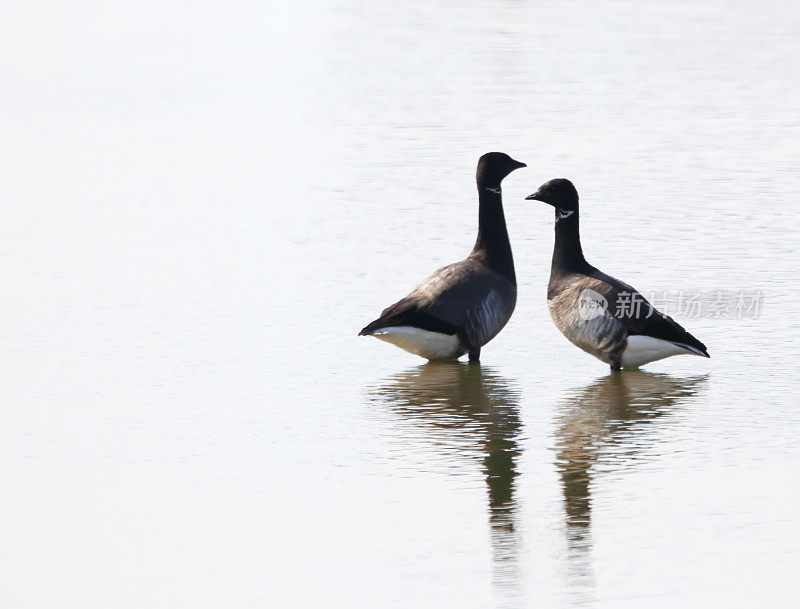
(534, 197)
(520, 165)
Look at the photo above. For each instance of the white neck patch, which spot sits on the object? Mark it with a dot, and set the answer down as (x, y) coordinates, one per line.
(562, 214)
(496, 191)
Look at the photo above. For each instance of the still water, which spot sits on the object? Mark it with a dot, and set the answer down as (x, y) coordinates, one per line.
(203, 204)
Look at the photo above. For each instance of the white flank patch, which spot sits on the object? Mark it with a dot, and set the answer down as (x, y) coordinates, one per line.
(642, 350)
(430, 345)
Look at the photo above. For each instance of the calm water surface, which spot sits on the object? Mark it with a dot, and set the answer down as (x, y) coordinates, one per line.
(204, 204)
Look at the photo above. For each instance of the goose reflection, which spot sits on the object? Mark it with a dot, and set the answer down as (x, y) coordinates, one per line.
(609, 423)
(473, 410)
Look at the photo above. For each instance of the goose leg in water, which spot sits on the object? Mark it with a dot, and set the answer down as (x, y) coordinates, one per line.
(616, 364)
(475, 354)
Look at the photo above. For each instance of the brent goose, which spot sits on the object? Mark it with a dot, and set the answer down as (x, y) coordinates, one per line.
(632, 333)
(462, 306)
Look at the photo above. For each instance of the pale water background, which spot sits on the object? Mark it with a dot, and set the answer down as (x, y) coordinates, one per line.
(204, 202)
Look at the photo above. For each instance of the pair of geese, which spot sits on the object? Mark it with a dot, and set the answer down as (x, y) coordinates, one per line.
(463, 306)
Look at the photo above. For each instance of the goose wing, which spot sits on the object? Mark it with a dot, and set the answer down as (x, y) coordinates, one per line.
(446, 301)
(639, 317)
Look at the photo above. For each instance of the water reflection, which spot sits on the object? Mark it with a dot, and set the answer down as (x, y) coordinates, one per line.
(471, 410)
(604, 426)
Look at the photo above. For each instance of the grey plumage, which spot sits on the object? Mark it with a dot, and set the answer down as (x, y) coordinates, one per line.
(605, 336)
(623, 329)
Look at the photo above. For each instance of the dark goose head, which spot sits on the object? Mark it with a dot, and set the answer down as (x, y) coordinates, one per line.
(559, 193)
(492, 244)
(567, 252)
(493, 167)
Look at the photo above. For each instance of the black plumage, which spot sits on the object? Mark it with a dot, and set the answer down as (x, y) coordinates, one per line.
(470, 300)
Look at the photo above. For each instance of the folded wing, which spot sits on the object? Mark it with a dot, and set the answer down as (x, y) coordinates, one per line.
(639, 317)
(446, 302)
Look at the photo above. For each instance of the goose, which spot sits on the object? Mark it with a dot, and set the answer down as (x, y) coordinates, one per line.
(633, 332)
(464, 305)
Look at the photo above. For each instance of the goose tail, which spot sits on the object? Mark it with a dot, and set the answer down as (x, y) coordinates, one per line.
(701, 351)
